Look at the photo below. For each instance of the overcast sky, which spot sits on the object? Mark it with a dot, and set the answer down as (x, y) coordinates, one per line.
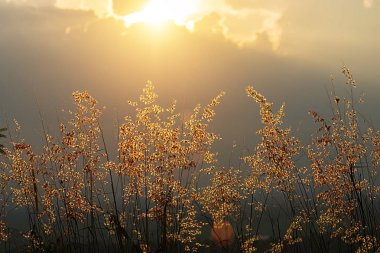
(285, 49)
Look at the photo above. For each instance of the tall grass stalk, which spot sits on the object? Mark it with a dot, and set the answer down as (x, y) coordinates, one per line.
(166, 191)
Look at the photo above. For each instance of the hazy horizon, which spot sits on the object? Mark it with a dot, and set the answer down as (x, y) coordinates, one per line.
(286, 50)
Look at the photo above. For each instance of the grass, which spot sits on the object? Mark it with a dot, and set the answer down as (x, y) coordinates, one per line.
(153, 197)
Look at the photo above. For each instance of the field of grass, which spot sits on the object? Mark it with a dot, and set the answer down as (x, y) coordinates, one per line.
(166, 191)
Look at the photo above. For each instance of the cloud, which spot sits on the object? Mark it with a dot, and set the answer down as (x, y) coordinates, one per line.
(243, 27)
(240, 22)
(368, 3)
(122, 7)
(100, 7)
(34, 3)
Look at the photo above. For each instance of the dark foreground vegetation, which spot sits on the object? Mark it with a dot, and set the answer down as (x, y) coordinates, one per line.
(166, 192)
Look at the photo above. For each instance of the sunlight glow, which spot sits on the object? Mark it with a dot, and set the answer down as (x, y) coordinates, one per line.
(158, 12)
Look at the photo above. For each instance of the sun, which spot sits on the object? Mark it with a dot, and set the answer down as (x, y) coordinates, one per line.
(158, 12)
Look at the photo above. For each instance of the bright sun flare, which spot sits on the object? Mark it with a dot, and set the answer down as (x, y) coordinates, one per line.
(157, 12)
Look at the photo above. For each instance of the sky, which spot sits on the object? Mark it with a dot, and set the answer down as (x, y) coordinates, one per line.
(191, 50)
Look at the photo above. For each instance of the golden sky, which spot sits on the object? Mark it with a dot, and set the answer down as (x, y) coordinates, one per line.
(190, 49)
(242, 22)
(238, 21)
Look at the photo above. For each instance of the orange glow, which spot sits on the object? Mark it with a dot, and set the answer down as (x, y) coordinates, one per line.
(222, 233)
(158, 12)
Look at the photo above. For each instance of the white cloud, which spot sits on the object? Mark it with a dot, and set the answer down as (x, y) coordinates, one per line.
(244, 27)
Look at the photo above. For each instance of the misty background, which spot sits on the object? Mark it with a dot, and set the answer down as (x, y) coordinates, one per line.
(47, 52)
